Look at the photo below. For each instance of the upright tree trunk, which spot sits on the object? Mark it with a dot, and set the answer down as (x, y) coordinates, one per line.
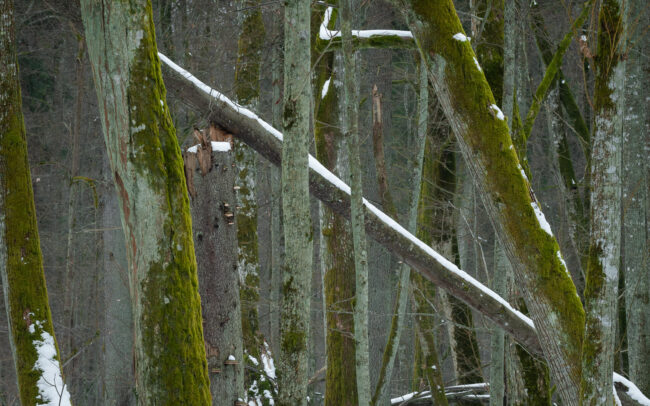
(485, 143)
(604, 250)
(31, 333)
(170, 363)
(296, 289)
(336, 243)
(212, 203)
(350, 109)
(117, 339)
(636, 204)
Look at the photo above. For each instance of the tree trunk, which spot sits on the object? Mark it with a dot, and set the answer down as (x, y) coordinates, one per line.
(350, 109)
(601, 289)
(636, 206)
(170, 363)
(296, 290)
(31, 333)
(212, 204)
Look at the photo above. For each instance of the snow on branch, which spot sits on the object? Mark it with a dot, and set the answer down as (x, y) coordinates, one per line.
(333, 192)
(331, 39)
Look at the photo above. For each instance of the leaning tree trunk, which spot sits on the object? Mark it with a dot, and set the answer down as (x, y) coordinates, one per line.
(170, 363)
(210, 180)
(31, 333)
(296, 287)
(485, 143)
(601, 288)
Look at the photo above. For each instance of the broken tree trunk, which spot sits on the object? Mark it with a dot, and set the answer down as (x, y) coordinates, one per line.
(212, 204)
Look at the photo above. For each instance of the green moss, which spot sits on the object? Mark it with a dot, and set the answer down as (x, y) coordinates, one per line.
(22, 273)
(249, 54)
(168, 308)
(489, 50)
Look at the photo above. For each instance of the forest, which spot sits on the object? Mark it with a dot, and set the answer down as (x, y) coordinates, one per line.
(324, 202)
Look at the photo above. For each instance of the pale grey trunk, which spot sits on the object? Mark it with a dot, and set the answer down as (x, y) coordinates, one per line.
(117, 339)
(636, 175)
(215, 240)
(604, 251)
(170, 368)
(350, 107)
(296, 288)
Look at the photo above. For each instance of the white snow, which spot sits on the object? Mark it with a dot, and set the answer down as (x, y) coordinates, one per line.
(403, 398)
(498, 112)
(632, 390)
(231, 358)
(583, 38)
(326, 34)
(459, 36)
(220, 146)
(267, 361)
(326, 87)
(541, 219)
(51, 387)
(478, 66)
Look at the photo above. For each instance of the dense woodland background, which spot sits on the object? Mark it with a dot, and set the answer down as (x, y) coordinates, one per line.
(236, 47)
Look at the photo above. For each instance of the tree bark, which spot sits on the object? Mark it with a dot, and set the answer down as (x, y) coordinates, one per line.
(31, 332)
(170, 363)
(215, 239)
(601, 288)
(296, 290)
(636, 206)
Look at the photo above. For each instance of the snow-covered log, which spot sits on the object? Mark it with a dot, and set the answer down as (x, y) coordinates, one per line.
(334, 193)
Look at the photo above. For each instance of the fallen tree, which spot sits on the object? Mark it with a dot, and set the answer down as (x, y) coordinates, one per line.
(334, 193)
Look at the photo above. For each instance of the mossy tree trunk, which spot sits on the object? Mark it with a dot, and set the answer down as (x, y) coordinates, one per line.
(170, 362)
(485, 143)
(604, 249)
(636, 204)
(296, 286)
(336, 246)
(215, 238)
(31, 333)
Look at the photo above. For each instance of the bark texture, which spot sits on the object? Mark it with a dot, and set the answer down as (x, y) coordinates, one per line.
(215, 240)
(296, 285)
(170, 363)
(604, 249)
(31, 332)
